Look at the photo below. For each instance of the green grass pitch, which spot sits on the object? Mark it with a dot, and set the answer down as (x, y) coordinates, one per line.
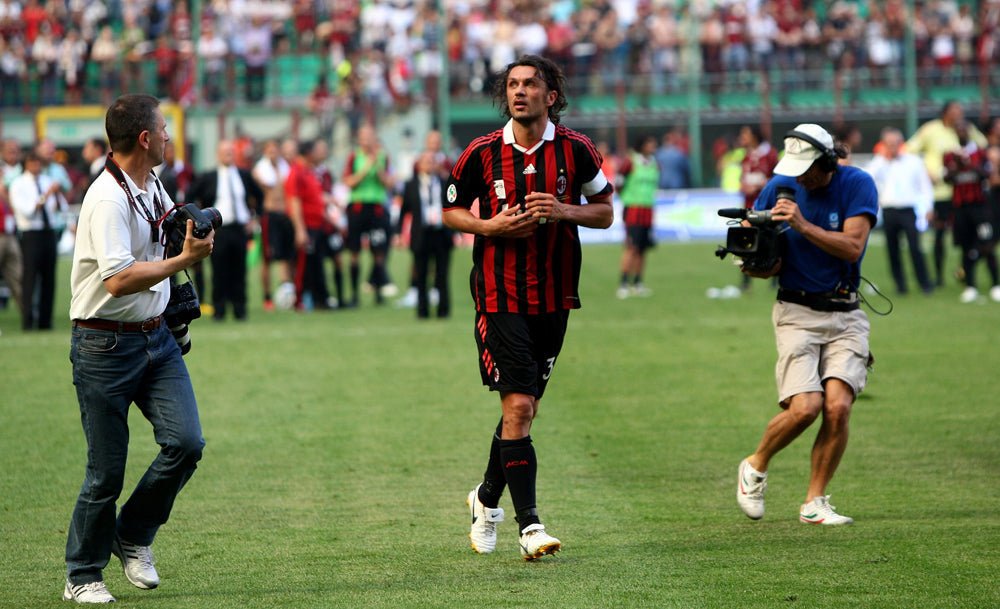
(341, 447)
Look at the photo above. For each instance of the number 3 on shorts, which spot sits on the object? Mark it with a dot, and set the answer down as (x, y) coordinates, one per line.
(548, 371)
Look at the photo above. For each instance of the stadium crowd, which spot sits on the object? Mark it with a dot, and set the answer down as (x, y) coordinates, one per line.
(386, 53)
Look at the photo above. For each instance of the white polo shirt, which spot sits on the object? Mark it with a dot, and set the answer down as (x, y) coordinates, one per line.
(110, 237)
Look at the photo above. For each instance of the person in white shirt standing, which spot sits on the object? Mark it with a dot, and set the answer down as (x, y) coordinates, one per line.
(123, 352)
(36, 201)
(905, 195)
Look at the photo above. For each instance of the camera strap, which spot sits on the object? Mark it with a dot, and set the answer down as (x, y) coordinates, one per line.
(154, 217)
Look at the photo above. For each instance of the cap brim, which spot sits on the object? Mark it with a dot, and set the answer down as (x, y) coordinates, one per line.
(793, 168)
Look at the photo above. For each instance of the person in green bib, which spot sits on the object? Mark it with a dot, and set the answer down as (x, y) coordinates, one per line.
(641, 175)
(367, 175)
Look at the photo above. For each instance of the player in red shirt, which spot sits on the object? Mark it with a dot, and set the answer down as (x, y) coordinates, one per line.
(529, 179)
(307, 210)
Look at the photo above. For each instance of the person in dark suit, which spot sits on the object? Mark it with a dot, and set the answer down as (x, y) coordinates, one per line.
(430, 239)
(238, 198)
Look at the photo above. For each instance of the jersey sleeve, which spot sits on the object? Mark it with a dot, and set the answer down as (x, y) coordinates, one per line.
(466, 181)
(588, 162)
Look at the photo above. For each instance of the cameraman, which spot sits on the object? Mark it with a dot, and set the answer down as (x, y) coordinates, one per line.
(821, 333)
(123, 352)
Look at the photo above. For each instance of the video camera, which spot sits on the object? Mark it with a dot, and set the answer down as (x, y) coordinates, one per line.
(758, 245)
(183, 306)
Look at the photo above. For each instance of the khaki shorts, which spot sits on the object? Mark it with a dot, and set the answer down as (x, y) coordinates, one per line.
(814, 346)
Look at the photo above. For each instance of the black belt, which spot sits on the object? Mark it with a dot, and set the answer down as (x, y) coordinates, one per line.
(147, 325)
(821, 301)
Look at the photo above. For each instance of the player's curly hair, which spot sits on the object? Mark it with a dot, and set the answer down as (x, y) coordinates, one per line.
(553, 76)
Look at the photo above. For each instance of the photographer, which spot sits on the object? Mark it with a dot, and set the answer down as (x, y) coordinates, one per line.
(123, 352)
(821, 333)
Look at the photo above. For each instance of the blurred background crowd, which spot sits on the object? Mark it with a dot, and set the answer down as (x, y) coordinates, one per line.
(377, 54)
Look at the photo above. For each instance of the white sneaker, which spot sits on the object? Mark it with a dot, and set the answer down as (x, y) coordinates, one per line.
(819, 511)
(969, 294)
(483, 533)
(536, 543)
(995, 293)
(137, 562)
(641, 291)
(94, 592)
(622, 293)
(409, 300)
(750, 487)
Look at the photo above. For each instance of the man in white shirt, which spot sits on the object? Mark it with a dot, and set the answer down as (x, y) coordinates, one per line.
(905, 195)
(234, 193)
(277, 232)
(35, 200)
(123, 352)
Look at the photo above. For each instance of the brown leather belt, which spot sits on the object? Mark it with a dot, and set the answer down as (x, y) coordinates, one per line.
(120, 326)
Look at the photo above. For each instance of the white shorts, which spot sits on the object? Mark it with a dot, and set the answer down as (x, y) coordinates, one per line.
(814, 346)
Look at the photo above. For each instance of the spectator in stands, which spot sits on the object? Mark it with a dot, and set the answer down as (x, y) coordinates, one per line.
(133, 48)
(664, 40)
(257, 55)
(106, 53)
(213, 51)
(12, 70)
(44, 57)
(72, 59)
(165, 58)
(675, 168)
(905, 196)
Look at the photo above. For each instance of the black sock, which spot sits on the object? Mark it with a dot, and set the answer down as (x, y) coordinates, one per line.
(493, 479)
(520, 470)
(637, 280)
(624, 278)
(338, 281)
(355, 276)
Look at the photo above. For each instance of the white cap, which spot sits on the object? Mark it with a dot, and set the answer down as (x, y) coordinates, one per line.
(800, 154)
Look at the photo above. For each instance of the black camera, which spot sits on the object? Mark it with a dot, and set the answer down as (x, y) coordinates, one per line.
(184, 306)
(174, 225)
(758, 245)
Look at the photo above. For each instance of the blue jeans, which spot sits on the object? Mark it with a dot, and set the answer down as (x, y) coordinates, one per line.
(111, 370)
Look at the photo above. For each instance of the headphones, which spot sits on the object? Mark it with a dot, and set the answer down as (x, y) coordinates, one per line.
(828, 156)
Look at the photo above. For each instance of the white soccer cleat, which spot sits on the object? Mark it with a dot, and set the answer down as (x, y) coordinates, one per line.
(137, 562)
(819, 511)
(622, 293)
(640, 291)
(995, 293)
(750, 487)
(483, 533)
(969, 295)
(536, 543)
(91, 593)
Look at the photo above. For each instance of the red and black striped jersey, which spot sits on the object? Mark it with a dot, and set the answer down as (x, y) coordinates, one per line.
(966, 170)
(539, 273)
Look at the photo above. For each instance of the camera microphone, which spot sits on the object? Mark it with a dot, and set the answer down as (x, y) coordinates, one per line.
(736, 213)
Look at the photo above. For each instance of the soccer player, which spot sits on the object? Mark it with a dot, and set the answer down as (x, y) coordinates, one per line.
(820, 331)
(528, 177)
(641, 175)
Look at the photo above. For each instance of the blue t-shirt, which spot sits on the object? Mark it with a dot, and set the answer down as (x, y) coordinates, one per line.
(804, 266)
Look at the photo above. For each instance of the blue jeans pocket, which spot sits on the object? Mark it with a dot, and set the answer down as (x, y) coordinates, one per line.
(97, 341)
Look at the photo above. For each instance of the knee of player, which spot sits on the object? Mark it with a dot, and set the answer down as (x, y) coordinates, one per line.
(186, 450)
(837, 409)
(805, 407)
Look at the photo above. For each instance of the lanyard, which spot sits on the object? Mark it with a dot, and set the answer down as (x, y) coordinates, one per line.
(154, 222)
